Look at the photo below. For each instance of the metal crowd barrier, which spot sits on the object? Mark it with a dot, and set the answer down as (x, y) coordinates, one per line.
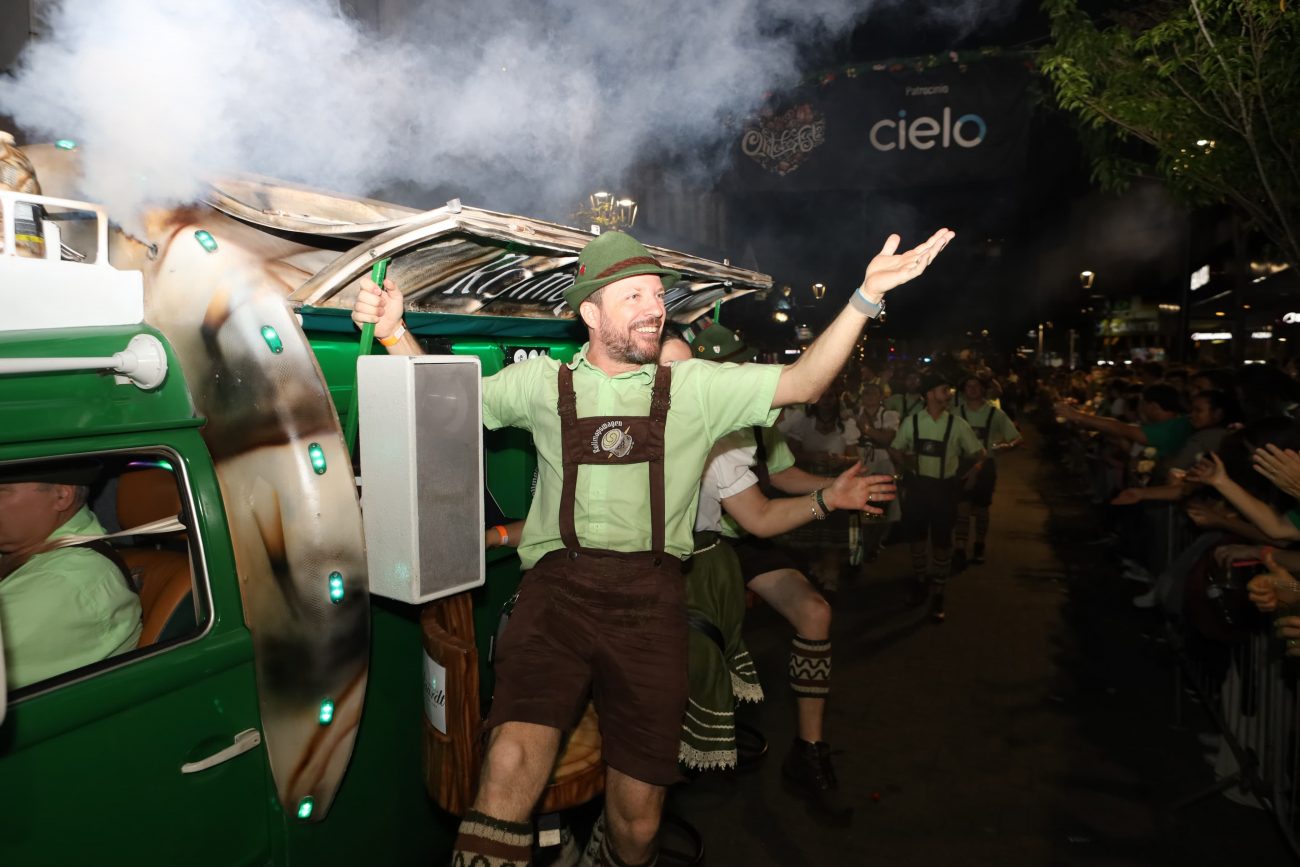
(1248, 687)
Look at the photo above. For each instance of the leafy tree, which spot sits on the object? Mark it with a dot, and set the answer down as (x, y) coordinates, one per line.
(1203, 94)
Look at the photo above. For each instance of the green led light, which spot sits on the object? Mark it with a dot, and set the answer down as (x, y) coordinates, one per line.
(336, 588)
(317, 455)
(304, 808)
(66, 144)
(327, 711)
(272, 339)
(204, 237)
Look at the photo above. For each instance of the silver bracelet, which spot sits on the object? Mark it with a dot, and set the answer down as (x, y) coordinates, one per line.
(863, 304)
(819, 516)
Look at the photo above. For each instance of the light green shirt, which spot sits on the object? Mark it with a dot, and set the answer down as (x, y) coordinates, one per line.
(989, 418)
(66, 608)
(779, 458)
(905, 404)
(961, 442)
(612, 511)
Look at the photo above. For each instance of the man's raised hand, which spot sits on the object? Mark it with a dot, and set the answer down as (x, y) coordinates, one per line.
(890, 268)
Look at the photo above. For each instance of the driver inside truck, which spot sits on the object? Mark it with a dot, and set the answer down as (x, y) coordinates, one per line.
(63, 602)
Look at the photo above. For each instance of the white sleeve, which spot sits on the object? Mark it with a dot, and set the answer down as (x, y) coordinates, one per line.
(726, 474)
(731, 472)
(889, 420)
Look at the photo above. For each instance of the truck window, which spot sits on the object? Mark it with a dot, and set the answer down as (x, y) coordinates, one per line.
(81, 593)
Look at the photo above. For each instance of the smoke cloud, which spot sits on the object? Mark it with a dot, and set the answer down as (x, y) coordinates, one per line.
(519, 106)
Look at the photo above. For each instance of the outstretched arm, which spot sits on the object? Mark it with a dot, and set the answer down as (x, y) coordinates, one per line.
(793, 480)
(807, 378)
(1211, 472)
(764, 517)
(1112, 426)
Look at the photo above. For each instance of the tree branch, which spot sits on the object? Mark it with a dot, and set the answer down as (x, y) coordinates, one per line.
(1205, 31)
(1257, 43)
(1248, 135)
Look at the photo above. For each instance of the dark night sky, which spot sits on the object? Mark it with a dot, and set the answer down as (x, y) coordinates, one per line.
(1021, 243)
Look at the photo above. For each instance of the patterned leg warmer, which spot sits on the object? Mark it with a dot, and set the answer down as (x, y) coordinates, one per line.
(920, 560)
(963, 526)
(942, 565)
(810, 667)
(487, 842)
(981, 524)
(600, 850)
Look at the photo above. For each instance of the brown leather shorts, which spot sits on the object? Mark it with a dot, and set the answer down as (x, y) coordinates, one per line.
(606, 624)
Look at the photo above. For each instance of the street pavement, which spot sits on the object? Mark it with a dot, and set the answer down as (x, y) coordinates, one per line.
(1040, 725)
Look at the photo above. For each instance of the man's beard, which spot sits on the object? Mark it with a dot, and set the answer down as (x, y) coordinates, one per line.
(623, 346)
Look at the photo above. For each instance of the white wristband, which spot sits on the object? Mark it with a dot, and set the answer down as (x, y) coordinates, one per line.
(863, 304)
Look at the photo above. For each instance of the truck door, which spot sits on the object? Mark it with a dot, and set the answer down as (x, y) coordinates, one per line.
(152, 755)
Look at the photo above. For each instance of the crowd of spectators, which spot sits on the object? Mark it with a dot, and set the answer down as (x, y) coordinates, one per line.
(1196, 474)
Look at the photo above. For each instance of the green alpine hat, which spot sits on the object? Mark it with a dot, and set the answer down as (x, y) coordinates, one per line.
(612, 256)
(716, 343)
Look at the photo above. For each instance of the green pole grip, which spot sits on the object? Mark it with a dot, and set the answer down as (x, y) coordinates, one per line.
(377, 273)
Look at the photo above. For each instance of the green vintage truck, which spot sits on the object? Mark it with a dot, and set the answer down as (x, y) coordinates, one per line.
(285, 704)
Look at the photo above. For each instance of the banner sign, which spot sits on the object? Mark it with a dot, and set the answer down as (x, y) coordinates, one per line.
(891, 125)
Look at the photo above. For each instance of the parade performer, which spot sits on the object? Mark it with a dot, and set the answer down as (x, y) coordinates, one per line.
(908, 399)
(996, 432)
(732, 484)
(938, 441)
(601, 607)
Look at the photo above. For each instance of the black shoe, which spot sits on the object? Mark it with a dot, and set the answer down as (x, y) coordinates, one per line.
(959, 561)
(808, 771)
(978, 557)
(936, 607)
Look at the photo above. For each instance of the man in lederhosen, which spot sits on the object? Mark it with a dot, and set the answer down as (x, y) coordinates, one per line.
(908, 398)
(939, 441)
(995, 431)
(600, 608)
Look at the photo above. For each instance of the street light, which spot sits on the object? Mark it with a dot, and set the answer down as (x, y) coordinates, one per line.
(1085, 279)
(605, 211)
(819, 290)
